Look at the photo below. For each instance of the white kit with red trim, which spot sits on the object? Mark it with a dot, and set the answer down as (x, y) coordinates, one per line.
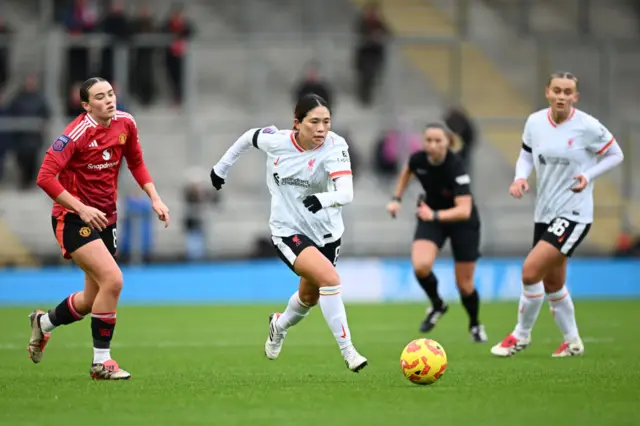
(560, 153)
(294, 173)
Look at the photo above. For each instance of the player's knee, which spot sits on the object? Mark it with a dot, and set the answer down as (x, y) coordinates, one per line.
(422, 269)
(328, 278)
(309, 299)
(465, 286)
(552, 285)
(112, 283)
(530, 274)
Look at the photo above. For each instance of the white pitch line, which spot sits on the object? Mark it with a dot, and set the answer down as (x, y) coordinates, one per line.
(226, 344)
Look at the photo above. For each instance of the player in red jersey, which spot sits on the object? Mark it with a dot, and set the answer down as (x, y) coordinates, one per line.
(86, 159)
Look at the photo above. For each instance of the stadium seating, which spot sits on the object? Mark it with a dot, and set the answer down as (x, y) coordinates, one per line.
(243, 82)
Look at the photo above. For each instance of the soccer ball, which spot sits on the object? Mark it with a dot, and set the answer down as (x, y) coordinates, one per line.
(423, 361)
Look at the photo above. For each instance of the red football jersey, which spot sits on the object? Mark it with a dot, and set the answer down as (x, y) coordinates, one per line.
(87, 159)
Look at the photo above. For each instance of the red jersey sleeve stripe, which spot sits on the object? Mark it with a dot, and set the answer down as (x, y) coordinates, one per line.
(340, 173)
(606, 147)
(78, 130)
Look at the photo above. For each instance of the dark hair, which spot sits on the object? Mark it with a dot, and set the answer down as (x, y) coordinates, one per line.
(447, 132)
(562, 74)
(87, 85)
(308, 102)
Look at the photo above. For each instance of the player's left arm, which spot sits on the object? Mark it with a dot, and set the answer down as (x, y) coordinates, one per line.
(135, 162)
(338, 165)
(463, 201)
(602, 143)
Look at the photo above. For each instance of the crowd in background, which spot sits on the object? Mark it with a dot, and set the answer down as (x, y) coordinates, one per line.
(115, 20)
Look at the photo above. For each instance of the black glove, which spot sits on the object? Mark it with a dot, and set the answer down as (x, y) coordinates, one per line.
(312, 203)
(216, 180)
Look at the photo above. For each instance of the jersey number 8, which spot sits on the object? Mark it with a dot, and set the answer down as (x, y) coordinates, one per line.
(335, 256)
(559, 226)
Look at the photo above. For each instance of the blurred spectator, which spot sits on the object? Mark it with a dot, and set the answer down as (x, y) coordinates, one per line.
(461, 125)
(197, 194)
(627, 245)
(121, 98)
(312, 83)
(181, 30)
(4, 54)
(5, 141)
(393, 147)
(74, 106)
(141, 75)
(80, 18)
(29, 103)
(116, 25)
(370, 51)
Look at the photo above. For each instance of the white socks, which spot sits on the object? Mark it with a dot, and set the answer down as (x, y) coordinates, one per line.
(100, 356)
(45, 324)
(564, 314)
(295, 312)
(334, 313)
(561, 307)
(530, 303)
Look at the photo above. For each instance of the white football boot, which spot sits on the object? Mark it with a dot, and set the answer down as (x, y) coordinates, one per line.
(273, 346)
(510, 346)
(574, 348)
(355, 362)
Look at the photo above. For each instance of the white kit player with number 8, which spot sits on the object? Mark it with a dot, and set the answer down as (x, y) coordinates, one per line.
(309, 178)
(568, 149)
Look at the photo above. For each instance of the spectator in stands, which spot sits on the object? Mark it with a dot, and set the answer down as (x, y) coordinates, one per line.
(459, 122)
(74, 105)
(181, 30)
(372, 33)
(142, 75)
(311, 82)
(29, 103)
(116, 25)
(80, 18)
(393, 147)
(5, 141)
(4, 54)
(197, 194)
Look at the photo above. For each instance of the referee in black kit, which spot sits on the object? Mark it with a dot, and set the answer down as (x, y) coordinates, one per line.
(446, 210)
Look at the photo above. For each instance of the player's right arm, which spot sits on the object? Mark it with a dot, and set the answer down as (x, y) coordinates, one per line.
(55, 160)
(251, 137)
(403, 181)
(524, 165)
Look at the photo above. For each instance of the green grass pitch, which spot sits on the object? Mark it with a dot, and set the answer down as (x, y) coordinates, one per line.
(205, 366)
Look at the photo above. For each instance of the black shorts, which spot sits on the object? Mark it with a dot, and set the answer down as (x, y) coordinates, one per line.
(72, 233)
(289, 248)
(562, 233)
(464, 236)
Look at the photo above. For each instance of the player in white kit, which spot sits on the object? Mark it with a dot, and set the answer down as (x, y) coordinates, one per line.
(568, 149)
(309, 178)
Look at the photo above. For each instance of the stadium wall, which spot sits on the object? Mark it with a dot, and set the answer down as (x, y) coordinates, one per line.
(267, 281)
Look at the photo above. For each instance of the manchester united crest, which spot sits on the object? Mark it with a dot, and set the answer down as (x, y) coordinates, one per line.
(123, 138)
(85, 231)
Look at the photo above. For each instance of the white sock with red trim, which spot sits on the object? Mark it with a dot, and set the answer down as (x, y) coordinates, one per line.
(564, 314)
(336, 316)
(530, 303)
(295, 312)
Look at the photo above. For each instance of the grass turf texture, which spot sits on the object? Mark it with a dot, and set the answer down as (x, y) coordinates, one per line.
(205, 365)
